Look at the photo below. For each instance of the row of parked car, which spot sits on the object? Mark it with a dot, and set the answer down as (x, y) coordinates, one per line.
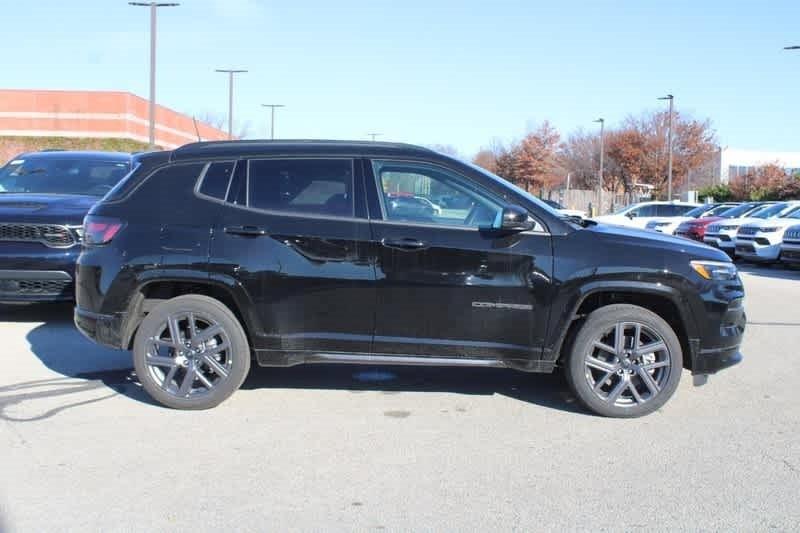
(751, 231)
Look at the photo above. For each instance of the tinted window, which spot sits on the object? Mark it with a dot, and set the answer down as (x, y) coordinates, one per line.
(769, 211)
(318, 186)
(672, 210)
(216, 178)
(416, 192)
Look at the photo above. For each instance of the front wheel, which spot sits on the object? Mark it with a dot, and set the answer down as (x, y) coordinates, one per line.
(626, 361)
(191, 352)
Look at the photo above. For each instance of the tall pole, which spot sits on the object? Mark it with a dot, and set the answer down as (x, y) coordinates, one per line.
(374, 135)
(272, 119)
(669, 144)
(152, 104)
(230, 73)
(602, 122)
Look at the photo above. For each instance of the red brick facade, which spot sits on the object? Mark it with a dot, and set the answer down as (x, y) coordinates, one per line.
(95, 114)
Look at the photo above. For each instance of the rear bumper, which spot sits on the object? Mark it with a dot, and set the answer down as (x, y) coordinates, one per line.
(36, 286)
(103, 329)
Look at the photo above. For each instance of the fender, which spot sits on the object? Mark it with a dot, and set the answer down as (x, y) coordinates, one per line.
(584, 291)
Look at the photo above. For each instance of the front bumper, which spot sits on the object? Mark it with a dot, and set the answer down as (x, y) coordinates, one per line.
(790, 253)
(720, 240)
(103, 329)
(751, 250)
(36, 286)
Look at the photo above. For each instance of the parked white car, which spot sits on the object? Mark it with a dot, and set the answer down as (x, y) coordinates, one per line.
(437, 210)
(790, 248)
(638, 215)
(669, 225)
(565, 211)
(761, 241)
(722, 234)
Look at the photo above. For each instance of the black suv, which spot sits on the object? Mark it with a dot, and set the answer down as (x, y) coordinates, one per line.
(43, 199)
(292, 252)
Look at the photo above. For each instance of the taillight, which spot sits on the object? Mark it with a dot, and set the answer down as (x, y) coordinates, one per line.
(100, 230)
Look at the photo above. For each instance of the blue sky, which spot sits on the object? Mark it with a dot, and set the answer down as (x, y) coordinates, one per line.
(430, 71)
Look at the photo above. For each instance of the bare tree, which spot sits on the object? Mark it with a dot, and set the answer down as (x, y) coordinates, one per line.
(220, 122)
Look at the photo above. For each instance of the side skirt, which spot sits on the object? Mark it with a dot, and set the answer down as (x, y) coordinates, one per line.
(279, 358)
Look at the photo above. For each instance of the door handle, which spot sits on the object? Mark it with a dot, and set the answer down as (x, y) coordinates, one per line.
(406, 243)
(247, 231)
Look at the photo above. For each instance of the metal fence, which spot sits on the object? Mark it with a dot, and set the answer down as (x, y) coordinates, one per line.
(586, 200)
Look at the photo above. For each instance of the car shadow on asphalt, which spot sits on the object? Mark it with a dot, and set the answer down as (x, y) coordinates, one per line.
(89, 373)
(778, 271)
(93, 371)
(546, 390)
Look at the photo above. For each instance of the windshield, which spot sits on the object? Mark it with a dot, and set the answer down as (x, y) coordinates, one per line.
(794, 213)
(40, 175)
(703, 209)
(737, 211)
(769, 211)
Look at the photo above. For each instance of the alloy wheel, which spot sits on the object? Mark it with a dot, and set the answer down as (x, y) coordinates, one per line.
(189, 356)
(628, 364)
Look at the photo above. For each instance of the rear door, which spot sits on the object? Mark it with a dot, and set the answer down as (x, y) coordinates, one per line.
(445, 286)
(293, 235)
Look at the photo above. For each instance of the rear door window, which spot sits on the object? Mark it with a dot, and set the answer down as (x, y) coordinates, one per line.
(303, 186)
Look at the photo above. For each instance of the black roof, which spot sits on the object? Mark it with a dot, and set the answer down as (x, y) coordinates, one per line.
(77, 154)
(295, 147)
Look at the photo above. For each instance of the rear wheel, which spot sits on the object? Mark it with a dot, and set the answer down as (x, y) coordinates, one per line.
(190, 352)
(626, 361)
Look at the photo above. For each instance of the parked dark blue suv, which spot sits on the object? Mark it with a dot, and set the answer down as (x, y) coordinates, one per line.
(43, 199)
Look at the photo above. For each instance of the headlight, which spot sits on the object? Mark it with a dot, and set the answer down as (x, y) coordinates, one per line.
(714, 270)
(770, 229)
(729, 227)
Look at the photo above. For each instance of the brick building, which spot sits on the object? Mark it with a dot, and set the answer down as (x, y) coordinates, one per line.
(94, 115)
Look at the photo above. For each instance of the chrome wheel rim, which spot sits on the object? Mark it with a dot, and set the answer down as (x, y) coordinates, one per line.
(628, 365)
(189, 356)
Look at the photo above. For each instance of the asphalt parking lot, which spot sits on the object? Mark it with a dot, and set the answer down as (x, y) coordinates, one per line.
(363, 448)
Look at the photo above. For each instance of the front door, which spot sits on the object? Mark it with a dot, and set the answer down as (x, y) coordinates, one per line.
(447, 285)
(294, 234)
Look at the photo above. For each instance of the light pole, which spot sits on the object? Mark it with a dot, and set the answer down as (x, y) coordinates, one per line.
(152, 111)
(230, 73)
(272, 120)
(669, 142)
(602, 122)
(373, 135)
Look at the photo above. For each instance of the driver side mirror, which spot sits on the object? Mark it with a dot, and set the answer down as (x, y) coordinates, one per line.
(514, 218)
(631, 214)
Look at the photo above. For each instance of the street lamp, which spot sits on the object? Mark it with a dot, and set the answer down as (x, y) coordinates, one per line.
(602, 122)
(669, 142)
(152, 111)
(272, 121)
(230, 73)
(373, 135)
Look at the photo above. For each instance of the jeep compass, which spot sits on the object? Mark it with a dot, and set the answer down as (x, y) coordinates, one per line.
(288, 252)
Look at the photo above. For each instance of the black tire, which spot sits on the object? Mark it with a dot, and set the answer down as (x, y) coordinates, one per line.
(579, 374)
(236, 356)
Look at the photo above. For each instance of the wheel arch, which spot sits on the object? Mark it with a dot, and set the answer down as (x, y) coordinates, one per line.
(159, 287)
(664, 300)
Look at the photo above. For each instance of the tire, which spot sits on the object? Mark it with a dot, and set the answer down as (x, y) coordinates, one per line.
(598, 375)
(215, 353)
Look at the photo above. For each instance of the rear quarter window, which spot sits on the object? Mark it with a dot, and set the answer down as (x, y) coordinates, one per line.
(216, 178)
